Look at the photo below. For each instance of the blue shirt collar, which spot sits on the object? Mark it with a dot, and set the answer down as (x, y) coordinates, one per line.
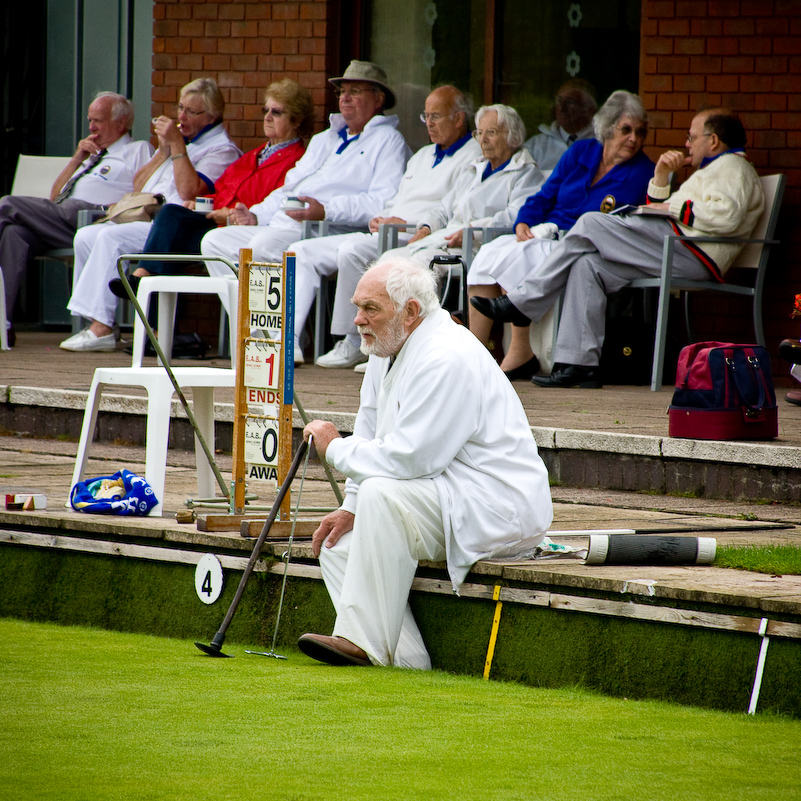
(440, 154)
(343, 135)
(710, 159)
(200, 133)
(489, 171)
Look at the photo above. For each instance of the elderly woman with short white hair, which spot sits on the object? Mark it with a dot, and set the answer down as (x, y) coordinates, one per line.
(599, 174)
(490, 192)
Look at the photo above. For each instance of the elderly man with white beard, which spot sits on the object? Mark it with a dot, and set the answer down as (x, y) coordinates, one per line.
(422, 484)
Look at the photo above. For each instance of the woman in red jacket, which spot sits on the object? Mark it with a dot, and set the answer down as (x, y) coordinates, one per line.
(288, 118)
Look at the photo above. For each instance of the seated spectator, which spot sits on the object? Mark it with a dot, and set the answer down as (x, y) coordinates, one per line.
(99, 173)
(602, 254)
(192, 154)
(489, 193)
(346, 176)
(573, 109)
(594, 175)
(430, 174)
(288, 119)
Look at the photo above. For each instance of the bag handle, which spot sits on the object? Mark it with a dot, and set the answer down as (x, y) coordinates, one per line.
(740, 382)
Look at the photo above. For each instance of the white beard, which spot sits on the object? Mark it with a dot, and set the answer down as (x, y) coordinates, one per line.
(387, 345)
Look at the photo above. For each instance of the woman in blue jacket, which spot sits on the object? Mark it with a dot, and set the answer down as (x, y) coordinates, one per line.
(599, 174)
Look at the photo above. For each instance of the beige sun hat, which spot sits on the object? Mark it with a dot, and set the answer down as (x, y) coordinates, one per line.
(369, 72)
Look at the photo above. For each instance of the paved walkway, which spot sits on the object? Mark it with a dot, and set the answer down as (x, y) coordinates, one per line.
(37, 362)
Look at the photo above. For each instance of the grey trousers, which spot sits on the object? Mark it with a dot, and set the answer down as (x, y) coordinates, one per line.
(600, 255)
(28, 227)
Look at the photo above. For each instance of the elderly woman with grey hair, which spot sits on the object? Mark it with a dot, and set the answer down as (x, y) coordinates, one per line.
(489, 192)
(599, 174)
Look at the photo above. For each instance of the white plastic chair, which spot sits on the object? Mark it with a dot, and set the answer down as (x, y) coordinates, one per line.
(155, 380)
(35, 175)
(167, 287)
(158, 384)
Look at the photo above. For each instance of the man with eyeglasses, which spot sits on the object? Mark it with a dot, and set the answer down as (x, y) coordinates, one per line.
(574, 107)
(602, 253)
(100, 172)
(346, 177)
(429, 176)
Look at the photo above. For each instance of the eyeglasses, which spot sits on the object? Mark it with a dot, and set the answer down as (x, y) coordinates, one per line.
(627, 130)
(691, 139)
(353, 91)
(276, 112)
(435, 118)
(182, 109)
(490, 133)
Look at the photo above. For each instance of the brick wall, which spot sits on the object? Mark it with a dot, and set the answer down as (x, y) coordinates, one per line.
(244, 45)
(745, 54)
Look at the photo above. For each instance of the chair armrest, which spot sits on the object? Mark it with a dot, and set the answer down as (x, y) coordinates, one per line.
(88, 216)
(324, 226)
(307, 228)
(388, 235)
(487, 235)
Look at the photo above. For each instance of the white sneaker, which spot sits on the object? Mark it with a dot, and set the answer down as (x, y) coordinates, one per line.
(298, 355)
(86, 340)
(360, 368)
(342, 355)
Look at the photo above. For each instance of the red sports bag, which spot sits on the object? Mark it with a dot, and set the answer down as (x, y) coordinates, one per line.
(723, 391)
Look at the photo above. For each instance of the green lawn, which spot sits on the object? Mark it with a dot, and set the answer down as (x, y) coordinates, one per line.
(780, 560)
(90, 714)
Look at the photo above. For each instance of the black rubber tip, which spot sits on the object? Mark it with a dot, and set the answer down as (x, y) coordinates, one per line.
(210, 650)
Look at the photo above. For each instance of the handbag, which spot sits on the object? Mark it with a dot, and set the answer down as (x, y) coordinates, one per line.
(134, 207)
(723, 391)
(124, 493)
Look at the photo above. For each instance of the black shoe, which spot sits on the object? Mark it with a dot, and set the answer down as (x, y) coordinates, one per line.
(525, 371)
(570, 375)
(11, 336)
(501, 309)
(790, 349)
(117, 287)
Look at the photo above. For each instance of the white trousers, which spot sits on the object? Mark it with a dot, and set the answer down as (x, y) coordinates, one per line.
(370, 570)
(97, 248)
(506, 262)
(315, 257)
(355, 253)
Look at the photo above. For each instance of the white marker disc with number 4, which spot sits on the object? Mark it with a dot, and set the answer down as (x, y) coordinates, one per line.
(208, 578)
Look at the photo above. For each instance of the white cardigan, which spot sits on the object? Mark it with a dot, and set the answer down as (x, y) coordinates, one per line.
(493, 202)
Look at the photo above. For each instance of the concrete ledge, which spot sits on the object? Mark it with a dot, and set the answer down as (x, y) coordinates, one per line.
(757, 454)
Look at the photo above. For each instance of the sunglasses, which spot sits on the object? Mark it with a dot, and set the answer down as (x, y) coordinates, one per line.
(627, 130)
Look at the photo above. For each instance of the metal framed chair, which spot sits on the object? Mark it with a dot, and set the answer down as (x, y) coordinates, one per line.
(753, 259)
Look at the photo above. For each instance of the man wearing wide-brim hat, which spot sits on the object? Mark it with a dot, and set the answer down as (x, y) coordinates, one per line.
(346, 177)
(366, 72)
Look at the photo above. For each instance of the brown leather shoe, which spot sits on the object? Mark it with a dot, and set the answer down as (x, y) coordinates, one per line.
(332, 650)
